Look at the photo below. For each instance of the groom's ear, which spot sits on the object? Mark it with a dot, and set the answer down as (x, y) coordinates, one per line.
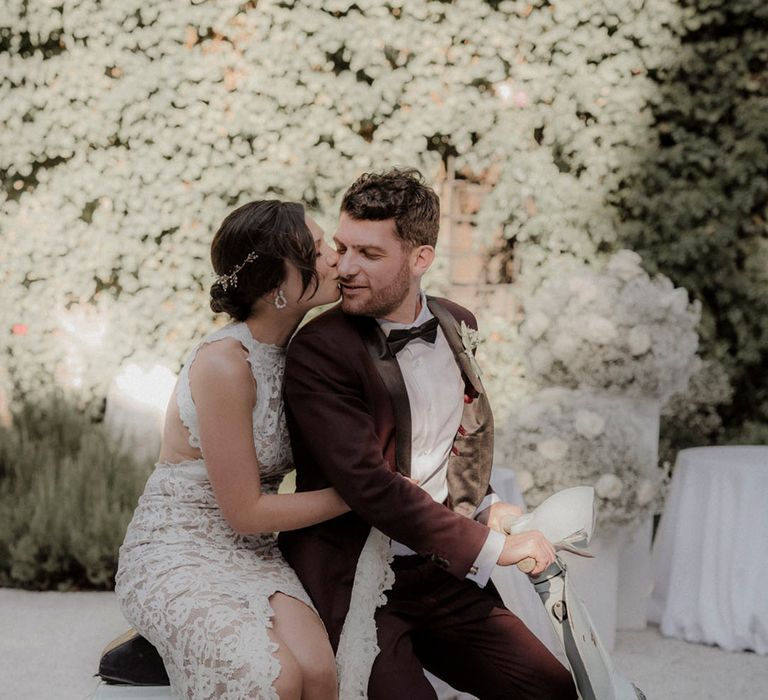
(421, 259)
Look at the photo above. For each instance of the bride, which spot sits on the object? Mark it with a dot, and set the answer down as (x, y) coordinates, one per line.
(199, 574)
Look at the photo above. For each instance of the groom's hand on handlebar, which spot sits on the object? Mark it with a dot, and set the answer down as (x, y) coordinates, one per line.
(531, 544)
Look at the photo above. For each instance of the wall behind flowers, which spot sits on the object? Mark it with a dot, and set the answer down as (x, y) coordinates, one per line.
(130, 128)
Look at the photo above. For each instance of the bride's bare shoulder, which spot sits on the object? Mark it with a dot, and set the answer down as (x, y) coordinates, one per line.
(226, 359)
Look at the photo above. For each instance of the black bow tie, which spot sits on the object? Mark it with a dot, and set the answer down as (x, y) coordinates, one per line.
(400, 337)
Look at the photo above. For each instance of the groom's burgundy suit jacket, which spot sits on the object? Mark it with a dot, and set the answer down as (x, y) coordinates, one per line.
(349, 418)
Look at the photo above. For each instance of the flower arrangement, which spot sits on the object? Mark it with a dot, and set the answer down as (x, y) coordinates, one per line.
(616, 330)
(470, 339)
(565, 438)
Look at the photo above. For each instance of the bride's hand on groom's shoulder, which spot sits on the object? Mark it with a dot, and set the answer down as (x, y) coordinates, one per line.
(497, 513)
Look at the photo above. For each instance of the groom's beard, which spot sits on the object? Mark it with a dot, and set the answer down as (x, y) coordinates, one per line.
(379, 303)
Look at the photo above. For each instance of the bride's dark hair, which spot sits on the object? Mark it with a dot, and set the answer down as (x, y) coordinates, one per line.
(277, 233)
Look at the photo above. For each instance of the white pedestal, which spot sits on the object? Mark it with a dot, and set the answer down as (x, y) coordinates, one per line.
(633, 547)
(635, 578)
(635, 566)
(616, 584)
(596, 583)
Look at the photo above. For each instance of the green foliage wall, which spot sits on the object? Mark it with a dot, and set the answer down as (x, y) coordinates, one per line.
(131, 127)
(698, 206)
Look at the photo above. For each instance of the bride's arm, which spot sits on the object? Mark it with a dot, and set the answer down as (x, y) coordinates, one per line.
(224, 393)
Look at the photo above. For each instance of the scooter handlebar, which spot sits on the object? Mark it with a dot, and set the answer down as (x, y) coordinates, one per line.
(565, 518)
(526, 565)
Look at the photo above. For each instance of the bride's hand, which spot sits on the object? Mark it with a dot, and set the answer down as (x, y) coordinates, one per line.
(340, 505)
(495, 515)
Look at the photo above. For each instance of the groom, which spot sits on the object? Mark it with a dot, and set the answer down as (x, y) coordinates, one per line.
(383, 387)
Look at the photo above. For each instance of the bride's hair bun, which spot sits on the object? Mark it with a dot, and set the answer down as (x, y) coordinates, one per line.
(222, 301)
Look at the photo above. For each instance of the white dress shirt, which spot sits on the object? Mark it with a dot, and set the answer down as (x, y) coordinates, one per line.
(436, 397)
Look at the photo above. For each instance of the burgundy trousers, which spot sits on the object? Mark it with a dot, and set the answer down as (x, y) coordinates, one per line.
(462, 634)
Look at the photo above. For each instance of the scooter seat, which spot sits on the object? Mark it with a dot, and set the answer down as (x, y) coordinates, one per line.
(132, 660)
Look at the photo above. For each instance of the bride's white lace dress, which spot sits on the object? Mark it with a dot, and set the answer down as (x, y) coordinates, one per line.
(186, 581)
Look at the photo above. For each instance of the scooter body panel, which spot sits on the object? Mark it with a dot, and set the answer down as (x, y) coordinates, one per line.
(106, 691)
(569, 516)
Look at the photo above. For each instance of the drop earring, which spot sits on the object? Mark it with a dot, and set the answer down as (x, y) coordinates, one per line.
(280, 301)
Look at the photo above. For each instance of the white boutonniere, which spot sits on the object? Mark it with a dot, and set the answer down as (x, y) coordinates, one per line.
(470, 339)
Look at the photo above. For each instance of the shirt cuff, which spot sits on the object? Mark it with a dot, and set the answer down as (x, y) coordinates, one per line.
(487, 502)
(482, 569)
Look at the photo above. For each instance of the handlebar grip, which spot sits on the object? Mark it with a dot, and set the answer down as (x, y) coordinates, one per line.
(526, 565)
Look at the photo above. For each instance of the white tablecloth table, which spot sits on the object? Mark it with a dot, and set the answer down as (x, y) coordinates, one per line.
(710, 556)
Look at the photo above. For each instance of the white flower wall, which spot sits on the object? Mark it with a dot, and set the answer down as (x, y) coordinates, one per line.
(130, 129)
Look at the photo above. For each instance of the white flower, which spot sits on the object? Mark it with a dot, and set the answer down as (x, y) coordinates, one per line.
(524, 480)
(609, 486)
(553, 449)
(574, 437)
(470, 338)
(564, 347)
(615, 329)
(639, 341)
(625, 264)
(544, 476)
(598, 330)
(584, 289)
(679, 300)
(646, 492)
(589, 424)
(529, 416)
(554, 397)
(536, 325)
(541, 359)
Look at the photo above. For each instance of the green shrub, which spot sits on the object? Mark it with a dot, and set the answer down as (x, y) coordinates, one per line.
(749, 433)
(66, 496)
(691, 418)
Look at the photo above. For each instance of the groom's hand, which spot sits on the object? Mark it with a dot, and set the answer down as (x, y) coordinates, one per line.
(527, 544)
(494, 515)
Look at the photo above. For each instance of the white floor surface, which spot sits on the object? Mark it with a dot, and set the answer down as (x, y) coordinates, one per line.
(50, 644)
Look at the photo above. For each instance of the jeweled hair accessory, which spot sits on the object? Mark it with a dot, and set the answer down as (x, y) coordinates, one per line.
(230, 280)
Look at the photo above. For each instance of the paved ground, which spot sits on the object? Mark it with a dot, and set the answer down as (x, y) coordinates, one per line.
(50, 643)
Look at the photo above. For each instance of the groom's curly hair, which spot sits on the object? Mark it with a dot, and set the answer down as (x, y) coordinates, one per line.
(398, 194)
